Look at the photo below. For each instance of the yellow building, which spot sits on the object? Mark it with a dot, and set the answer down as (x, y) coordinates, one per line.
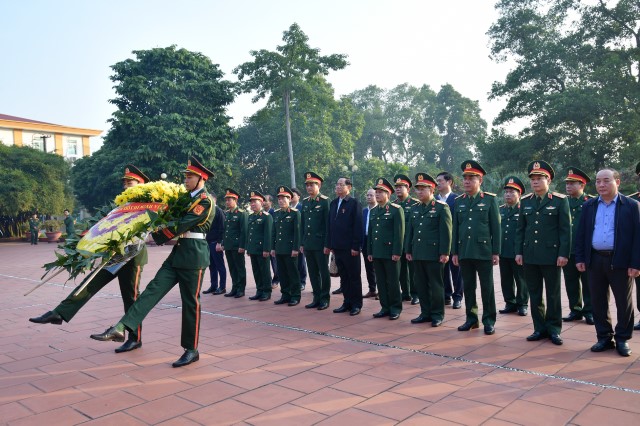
(69, 142)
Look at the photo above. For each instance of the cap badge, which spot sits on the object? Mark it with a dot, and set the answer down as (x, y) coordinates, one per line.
(468, 166)
(308, 175)
(380, 182)
(126, 170)
(281, 189)
(536, 165)
(398, 180)
(420, 177)
(253, 193)
(511, 180)
(188, 162)
(570, 172)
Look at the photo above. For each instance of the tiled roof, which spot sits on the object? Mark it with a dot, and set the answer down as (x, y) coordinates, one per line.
(24, 120)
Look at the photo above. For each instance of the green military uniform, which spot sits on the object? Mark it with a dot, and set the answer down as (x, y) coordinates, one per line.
(235, 238)
(428, 237)
(315, 220)
(34, 228)
(406, 267)
(512, 282)
(185, 266)
(386, 237)
(258, 242)
(286, 239)
(69, 226)
(543, 235)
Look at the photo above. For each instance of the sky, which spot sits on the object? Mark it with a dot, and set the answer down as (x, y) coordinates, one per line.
(56, 55)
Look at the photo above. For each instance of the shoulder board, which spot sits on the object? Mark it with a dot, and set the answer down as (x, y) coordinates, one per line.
(306, 198)
(293, 209)
(559, 195)
(276, 210)
(491, 194)
(635, 194)
(587, 196)
(240, 211)
(529, 195)
(415, 200)
(397, 206)
(504, 205)
(324, 197)
(265, 212)
(459, 196)
(442, 202)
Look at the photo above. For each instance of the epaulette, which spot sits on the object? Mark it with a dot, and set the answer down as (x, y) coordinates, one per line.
(276, 210)
(442, 202)
(490, 193)
(460, 196)
(324, 197)
(265, 212)
(415, 200)
(306, 198)
(397, 206)
(504, 205)
(293, 209)
(529, 195)
(559, 195)
(635, 194)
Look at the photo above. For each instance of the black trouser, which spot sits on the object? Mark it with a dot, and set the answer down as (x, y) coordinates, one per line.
(289, 277)
(514, 287)
(274, 267)
(302, 269)
(576, 284)
(483, 269)
(453, 286)
(539, 278)
(428, 282)
(368, 267)
(216, 267)
(350, 282)
(237, 269)
(388, 279)
(261, 275)
(601, 277)
(406, 278)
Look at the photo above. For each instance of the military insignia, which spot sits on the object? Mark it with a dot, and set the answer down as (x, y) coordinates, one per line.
(281, 189)
(318, 206)
(203, 196)
(481, 205)
(253, 193)
(468, 166)
(188, 162)
(126, 170)
(198, 210)
(570, 171)
(550, 208)
(536, 165)
(308, 175)
(511, 180)
(399, 180)
(380, 182)
(420, 177)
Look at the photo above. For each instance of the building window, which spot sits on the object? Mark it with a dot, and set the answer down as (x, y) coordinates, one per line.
(37, 142)
(72, 148)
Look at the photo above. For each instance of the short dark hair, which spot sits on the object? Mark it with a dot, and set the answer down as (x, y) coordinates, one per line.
(616, 174)
(446, 176)
(347, 181)
(66, 210)
(268, 197)
(296, 191)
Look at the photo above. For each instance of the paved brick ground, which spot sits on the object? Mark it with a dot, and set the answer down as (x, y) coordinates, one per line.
(264, 364)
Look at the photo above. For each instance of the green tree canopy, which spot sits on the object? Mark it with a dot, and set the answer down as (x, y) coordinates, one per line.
(286, 75)
(171, 103)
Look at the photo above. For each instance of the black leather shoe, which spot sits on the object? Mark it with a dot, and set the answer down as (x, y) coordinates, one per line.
(588, 318)
(381, 314)
(340, 310)
(338, 291)
(489, 330)
(280, 301)
(556, 339)
(264, 297)
(110, 334)
(322, 306)
(406, 298)
(623, 348)
(293, 303)
(508, 309)
(457, 304)
(239, 295)
(220, 291)
(302, 287)
(209, 290)
(637, 326)
(420, 319)
(393, 317)
(188, 357)
(354, 311)
(312, 305)
(447, 301)
(415, 300)
(536, 335)
(129, 345)
(522, 311)
(603, 345)
(50, 317)
(573, 316)
(436, 323)
(468, 326)
(233, 293)
(255, 297)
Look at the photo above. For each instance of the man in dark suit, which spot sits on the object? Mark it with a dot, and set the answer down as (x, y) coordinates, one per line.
(453, 287)
(368, 266)
(302, 262)
(344, 235)
(608, 248)
(216, 253)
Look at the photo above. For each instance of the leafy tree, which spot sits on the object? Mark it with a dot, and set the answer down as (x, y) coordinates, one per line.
(575, 79)
(286, 74)
(171, 103)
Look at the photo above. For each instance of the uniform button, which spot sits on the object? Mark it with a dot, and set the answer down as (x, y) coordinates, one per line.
(419, 232)
(469, 218)
(537, 212)
(469, 227)
(507, 225)
(506, 232)
(536, 222)
(535, 232)
(469, 236)
(470, 210)
(536, 241)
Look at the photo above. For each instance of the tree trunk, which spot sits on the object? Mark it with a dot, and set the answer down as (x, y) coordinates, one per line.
(287, 98)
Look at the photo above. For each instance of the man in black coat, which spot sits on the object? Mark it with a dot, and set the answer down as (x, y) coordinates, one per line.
(216, 253)
(344, 235)
(608, 248)
(453, 286)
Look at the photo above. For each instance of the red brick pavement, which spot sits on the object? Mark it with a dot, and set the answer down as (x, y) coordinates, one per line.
(266, 364)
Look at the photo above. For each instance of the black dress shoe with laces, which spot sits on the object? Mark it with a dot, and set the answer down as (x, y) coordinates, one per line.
(573, 316)
(209, 290)
(50, 317)
(312, 305)
(239, 295)
(232, 293)
(537, 335)
(588, 318)
(219, 291)
(293, 303)
(381, 314)
(110, 334)
(280, 301)
(188, 357)
(322, 306)
(603, 345)
(340, 310)
(264, 297)
(556, 339)
(489, 330)
(255, 297)
(129, 345)
(468, 326)
(623, 348)
(354, 311)
(420, 319)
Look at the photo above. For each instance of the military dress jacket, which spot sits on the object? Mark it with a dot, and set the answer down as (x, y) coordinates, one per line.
(259, 236)
(406, 205)
(286, 231)
(315, 220)
(235, 229)
(476, 227)
(34, 225)
(544, 231)
(386, 231)
(575, 209)
(509, 225)
(429, 231)
(190, 253)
